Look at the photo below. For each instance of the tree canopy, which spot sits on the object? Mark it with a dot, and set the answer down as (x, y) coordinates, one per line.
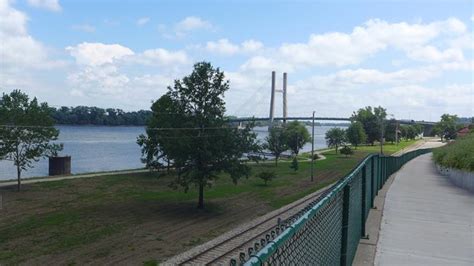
(335, 137)
(26, 131)
(189, 128)
(276, 142)
(85, 115)
(446, 127)
(356, 134)
(372, 121)
(296, 135)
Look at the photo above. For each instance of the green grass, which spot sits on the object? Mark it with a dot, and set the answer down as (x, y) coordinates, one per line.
(458, 154)
(65, 215)
(388, 148)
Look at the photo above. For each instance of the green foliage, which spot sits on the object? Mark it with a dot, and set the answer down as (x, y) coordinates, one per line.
(446, 128)
(296, 136)
(458, 154)
(26, 130)
(346, 150)
(276, 142)
(356, 134)
(335, 137)
(372, 121)
(409, 132)
(390, 130)
(294, 164)
(85, 115)
(189, 128)
(266, 176)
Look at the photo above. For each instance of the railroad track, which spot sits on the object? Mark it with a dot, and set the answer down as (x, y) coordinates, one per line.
(237, 242)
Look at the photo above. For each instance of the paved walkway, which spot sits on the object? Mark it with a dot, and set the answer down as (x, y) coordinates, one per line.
(426, 220)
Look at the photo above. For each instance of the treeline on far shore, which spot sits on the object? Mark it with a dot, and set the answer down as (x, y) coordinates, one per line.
(85, 115)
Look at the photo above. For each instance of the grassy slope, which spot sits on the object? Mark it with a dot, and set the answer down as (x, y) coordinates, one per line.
(57, 217)
(459, 154)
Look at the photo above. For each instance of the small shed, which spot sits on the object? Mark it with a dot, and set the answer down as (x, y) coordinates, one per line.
(60, 165)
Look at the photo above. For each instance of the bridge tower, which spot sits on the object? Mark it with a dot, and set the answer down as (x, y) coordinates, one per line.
(272, 98)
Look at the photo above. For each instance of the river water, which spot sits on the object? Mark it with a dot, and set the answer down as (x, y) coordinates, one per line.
(102, 148)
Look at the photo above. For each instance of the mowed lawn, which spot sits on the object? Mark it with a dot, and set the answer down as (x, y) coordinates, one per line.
(135, 219)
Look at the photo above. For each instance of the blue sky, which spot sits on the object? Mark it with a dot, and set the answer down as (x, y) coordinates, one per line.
(413, 57)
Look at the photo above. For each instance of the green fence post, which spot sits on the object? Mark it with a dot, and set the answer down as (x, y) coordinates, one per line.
(372, 180)
(364, 201)
(346, 197)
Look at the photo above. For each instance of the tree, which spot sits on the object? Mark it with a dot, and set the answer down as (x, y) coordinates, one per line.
(346, 150)
(446, 127)
(369, 122)
(356, 134)
(294, 164)
(390, 132)
(26, 130)
(266, 176)
(335, 137)
(189, 127)
(276, 142)
(296, 136)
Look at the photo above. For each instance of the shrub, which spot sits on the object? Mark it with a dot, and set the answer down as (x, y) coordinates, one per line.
(294, 164)
(458, 154)
(316, 156)
(346, 150)
(266, 176)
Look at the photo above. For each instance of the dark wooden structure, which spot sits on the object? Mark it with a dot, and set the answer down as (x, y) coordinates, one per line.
(60, 165)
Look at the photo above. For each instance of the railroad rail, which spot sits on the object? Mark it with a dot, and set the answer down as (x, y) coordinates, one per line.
(239, 243)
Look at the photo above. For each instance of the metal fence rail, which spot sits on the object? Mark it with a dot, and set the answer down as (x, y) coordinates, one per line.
(329, 232)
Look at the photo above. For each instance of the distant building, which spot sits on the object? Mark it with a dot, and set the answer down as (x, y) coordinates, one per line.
(463, 131)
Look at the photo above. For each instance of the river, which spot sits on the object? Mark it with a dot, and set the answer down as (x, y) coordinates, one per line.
(102, 148)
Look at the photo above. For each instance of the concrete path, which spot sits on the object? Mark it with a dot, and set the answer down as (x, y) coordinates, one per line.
(426, 220)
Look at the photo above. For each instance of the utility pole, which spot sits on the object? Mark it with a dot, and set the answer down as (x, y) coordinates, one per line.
(272, 100)
(285, 112)
(381, 136)
(312, 150)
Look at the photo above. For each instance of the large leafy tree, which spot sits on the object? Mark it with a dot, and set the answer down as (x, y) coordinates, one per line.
(446, 127)
(189, 128)
(26, 131)
(296, 135)
(370, 121)
(335, 137)
(356, 134)
(276, 142)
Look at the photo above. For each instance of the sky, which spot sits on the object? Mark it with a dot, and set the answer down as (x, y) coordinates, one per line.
(415, 58)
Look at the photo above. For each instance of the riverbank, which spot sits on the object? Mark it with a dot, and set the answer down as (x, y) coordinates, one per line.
(132, 218)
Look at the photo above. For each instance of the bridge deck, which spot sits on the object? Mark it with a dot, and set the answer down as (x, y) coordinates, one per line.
(426, 219)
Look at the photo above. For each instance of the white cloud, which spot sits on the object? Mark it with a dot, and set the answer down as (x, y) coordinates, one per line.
(184, 27)
(340, 49)
(225, 47)
(52, 5)
(95, 54)
(192, 23)
(162, 57)
(222, 46)
(432, 54)
(84, 27)
(142, 21)
(18, 48)
(251, 46)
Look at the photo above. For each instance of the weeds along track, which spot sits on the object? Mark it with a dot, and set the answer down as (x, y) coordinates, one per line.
(239, 244)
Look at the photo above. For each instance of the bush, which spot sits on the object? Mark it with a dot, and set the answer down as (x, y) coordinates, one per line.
(266, 176)
(458, 154)
(294, 164)
(316, 156)
(346, 150)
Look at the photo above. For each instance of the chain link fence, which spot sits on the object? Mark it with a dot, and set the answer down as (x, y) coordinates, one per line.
(328, 233)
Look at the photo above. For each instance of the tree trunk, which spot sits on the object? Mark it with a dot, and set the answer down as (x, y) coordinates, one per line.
(18, 173)
(168, 166)
(201, 196)
(276, 161)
